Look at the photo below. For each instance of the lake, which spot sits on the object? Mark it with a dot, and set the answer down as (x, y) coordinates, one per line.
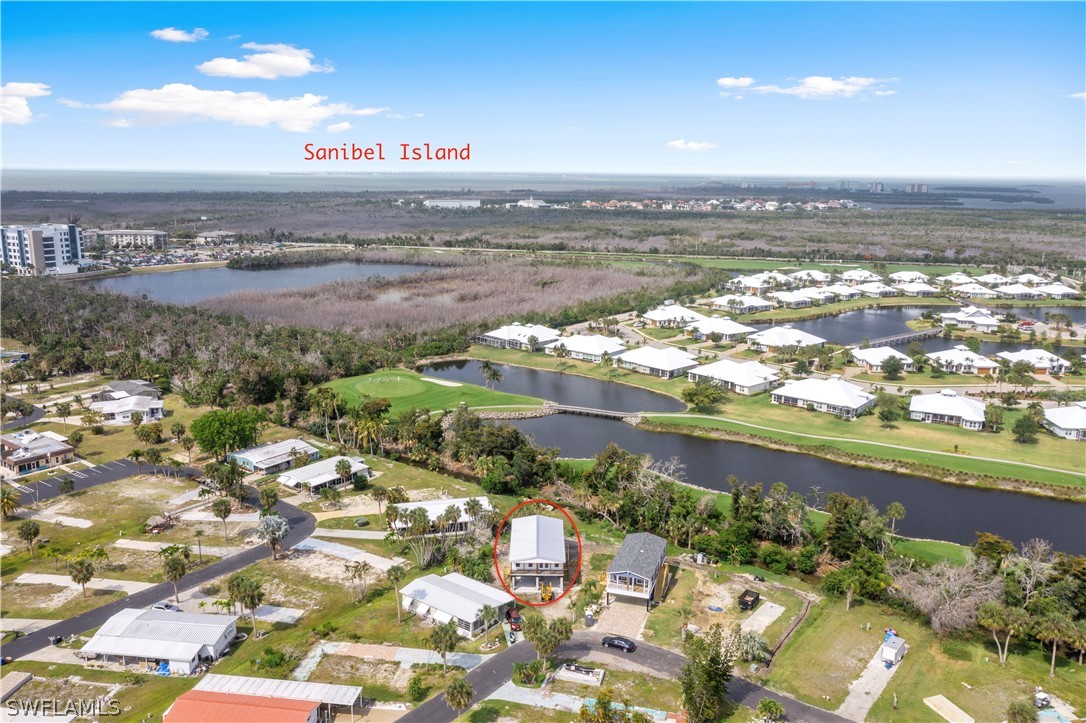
(852, 327)
(189, 286)
(935, 510)
(1037, 313)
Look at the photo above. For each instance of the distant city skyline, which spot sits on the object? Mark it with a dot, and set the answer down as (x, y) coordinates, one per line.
(915, 93)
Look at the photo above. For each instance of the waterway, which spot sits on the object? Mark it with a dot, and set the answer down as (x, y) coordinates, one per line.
(852, 327)
(935, 510)
(189, 286)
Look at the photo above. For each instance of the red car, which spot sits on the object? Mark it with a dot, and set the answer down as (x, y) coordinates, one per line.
(513, 616)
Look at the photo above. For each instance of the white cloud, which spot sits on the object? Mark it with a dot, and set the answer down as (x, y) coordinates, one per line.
(339, 127)
(271, 61)
(822, 87)
(396, 116)
(1080, 96)
(180, 102)
(173, 35)
(735, 82)
(14, 107)
(885, 92)
(420, 115)
(696, 146)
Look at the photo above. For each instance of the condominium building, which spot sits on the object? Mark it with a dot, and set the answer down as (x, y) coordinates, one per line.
(50, 248)
(128, 238)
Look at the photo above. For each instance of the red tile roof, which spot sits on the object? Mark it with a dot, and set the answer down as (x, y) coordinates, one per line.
(201, 706)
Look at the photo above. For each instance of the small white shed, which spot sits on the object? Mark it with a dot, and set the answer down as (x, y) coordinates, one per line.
(893, 649)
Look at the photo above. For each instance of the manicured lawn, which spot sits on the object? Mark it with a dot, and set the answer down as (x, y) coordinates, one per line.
(924, 379)
(664, 627)
(407, 389)
(659, 333)
(932, 550)
(644, 691)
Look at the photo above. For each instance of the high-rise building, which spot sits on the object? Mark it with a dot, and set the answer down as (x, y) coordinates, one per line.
(49, 248)
(916, 188)
(875, 187)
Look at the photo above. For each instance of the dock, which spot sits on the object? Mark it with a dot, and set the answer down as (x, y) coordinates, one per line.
(906, 338)
(591, 412)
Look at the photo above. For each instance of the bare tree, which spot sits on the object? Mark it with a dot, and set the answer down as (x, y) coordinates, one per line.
(1032, 568)
(950, 595)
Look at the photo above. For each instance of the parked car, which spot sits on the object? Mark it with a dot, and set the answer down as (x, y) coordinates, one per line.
(166, 606)
(624, 644)
(513, 616)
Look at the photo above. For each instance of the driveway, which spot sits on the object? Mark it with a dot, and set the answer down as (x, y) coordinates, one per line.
(623, 617)
(865, 690)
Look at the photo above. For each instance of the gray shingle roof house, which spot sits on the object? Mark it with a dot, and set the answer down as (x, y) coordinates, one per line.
(637, 566)
(127, 388)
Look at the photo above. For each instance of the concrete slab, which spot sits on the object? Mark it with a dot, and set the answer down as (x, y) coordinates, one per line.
(55, 519)
(344, 552)
(11, 683)
(537, 698)
(148, 546)
(198, 516)
(349, 534)
(623, 617)
(947, 710)
(276, 614)
(98, 583)
(186, 497)
(763, 617)
(865, 690)
(23, 625)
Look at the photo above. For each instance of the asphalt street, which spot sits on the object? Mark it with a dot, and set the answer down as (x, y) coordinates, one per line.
(34, 416)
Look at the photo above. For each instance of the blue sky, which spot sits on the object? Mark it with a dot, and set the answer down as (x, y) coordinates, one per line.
(845, 89)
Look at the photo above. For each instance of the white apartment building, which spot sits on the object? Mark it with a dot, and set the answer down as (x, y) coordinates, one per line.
(45, 249)
(131, 238)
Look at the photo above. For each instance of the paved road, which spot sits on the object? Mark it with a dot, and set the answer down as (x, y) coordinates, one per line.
(301, 526)
(85, 478)
(492, 674)
(34, 416)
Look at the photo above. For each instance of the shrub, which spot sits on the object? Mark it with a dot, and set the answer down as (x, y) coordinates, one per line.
(359, 484)
(769, 709)
(416, 691)
(211, 590)
(361, 522)
(1021, 711)
(134, 678)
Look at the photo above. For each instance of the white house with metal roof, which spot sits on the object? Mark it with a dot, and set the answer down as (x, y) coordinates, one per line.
(995, 279)
(1030, 279)
(525, 337)
(672, 315)
(119, 411)
(328, 694)
(971, 317)
(779, 337)
(1058, 291)
(947, 407)
(666, 363)
(877, 289)
(789, 299)
(741, 303)
(955, 279)
(729, 329)
(586, 347)
(859, 276)
(1019, 291)
(318, 475)
(908, 277)
(274, 457)
(746, 378)
(811, 276)
(843, 292)
(454, 597)
(438, 507)
(1067, 422)
(831, 396)
(975, 291)
(819, 295)
(537, 552)
(872, 359)
(962, 360)
(1043, 362)
(180, 639)
(917, 288)
(639, 569)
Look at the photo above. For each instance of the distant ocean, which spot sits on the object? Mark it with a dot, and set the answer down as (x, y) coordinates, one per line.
(1066, 195)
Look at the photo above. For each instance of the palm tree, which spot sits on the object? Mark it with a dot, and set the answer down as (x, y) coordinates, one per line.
(1053, 628)
(491, 374)
(9, 501)
(136, 455)
(395, 575)
(685, 616)
(443, 640)
(222, 508)
(895, 511)
(197, 534)
(154, 458)
(488, 614)
(173, 569)
(379, 495)
(343, 469)
(187, 443)
(458, 695)
(269, 497)
(81, 572)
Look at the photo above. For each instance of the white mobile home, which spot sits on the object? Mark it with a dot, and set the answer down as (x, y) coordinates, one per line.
(454, 597)
(180, 639)
(318, 475)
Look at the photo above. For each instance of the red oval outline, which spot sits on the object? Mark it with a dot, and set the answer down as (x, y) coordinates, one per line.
(580, 552)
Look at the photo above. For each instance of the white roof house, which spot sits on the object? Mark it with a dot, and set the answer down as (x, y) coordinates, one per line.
(435, 508)
(1057, 291)
(873, 358)
(1067, 422)
(777, 337)
(859, 276)
(1018, 291)
(971, 317)
(749, 283)
(672, 315)
(180, 638)
(876, 289)
(790, 299)
(947, 407)
(667, 362)
(819, 277)
(517, 336)
(843, 291)
(741, 303)
(326, 693)
(917, 288)
(742, 377)
(119, 411)
(1043, 362)
(273, 456)
(730, 329)
(832, 396)
(454, 597)
(908, 277)
(1030, 279)
(954, 279)
(964, 361)
(589, 347)
(537, 538)
(820, 294)
(996, 279)
(974, 289)
(323, 474)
